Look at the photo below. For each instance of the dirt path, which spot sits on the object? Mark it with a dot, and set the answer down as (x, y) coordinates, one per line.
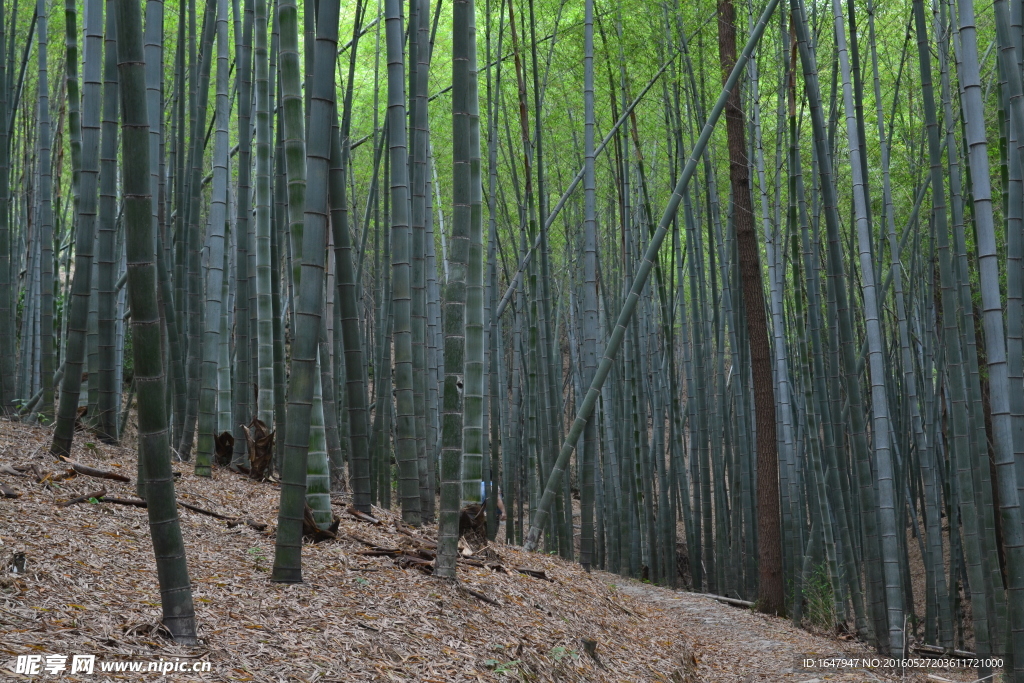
(738, 644)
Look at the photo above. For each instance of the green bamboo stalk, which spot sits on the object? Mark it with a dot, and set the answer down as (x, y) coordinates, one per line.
(102, 391)
(329, 409)
(498, 416)
(960, 450)
(933, 567)
(988, 266)
(264, 164)
(85, 234)
(176, 266)
(172, 569)
(304, 374)
(473, 436)
(8, 332)
(224, 345)
(590, 322)
(193, 235)
(456, 411)
(247, 336)
(215, 267)
(435, 342)
(46, 408)
(153, 51)
(359, 462)
(278, 248)
(405, 441)
(419, 51)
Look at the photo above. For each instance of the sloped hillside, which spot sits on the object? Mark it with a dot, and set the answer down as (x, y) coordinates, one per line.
(89, 586)
(368, 611)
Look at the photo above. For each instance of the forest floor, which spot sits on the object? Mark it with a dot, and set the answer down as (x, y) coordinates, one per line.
(88, 587)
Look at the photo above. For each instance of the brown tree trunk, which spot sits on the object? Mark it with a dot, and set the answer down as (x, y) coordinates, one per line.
(771, 594)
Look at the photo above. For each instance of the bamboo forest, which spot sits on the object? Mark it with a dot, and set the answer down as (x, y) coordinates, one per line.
(725, 298)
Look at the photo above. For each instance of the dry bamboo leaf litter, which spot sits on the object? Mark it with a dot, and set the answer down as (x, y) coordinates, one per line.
(88, 586)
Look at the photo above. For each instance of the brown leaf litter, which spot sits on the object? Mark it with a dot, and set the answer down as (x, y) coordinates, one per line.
(368, 610)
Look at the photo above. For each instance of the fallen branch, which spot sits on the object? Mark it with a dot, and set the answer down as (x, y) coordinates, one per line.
(480, 596)
(134, 502)
(938, 650)
(196, 508)
(258, 526)
(139, 503)
(360, 540)
(41, 476)
(33, 471)
(535, 573)
(729, 601)
(232, 521)
(7, 469)
(362, 516)
(403, 529)
(426, 543)
(81, 499)
(406, 561)
(381, 552)
(99, 474)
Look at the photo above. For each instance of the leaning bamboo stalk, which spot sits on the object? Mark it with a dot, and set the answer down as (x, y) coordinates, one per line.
(643, 272)
(527, 258)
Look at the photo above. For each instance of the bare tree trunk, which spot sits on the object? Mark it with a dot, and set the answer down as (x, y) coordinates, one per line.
(771, 592)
